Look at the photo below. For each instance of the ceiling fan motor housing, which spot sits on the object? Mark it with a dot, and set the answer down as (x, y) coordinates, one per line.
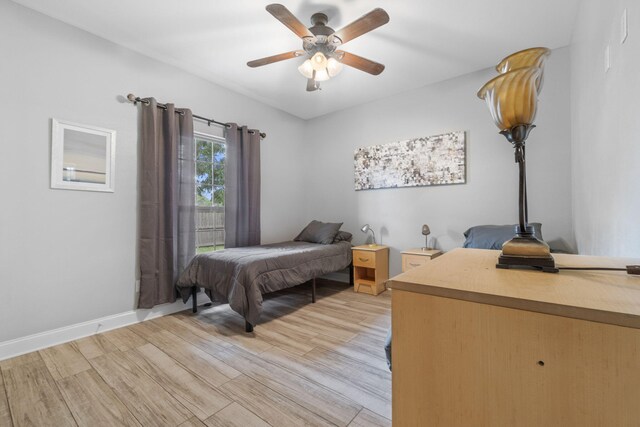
(324, 41)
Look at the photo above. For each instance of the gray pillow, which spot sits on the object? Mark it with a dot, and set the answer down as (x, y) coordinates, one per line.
(343, 236)
(319, 232)
(493, 236)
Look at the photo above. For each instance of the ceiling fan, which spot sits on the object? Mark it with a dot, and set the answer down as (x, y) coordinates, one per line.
(320, 43)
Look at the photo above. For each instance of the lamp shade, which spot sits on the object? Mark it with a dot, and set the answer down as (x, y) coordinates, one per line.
(512, 97)
(333, 67)
(306, 69)
(533, 57)
(319, 61)
(322, 75)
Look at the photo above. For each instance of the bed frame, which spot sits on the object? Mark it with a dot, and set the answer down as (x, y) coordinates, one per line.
(248, 327)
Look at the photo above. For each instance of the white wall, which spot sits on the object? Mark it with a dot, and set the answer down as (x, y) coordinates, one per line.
(69, 256)
(490, 194)
(606, 130)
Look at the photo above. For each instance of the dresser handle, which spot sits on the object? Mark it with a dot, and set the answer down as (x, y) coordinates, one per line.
(414, 265)
(363, 259)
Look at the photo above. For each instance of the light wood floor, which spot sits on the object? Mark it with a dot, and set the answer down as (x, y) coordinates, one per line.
(306, 364)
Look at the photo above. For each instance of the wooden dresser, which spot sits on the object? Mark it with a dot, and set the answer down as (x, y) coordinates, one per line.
(475, 345)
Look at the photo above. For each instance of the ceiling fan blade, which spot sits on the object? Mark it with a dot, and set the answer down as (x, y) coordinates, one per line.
(360, 63)
(283, 15)
(275, 58)
(364, 24)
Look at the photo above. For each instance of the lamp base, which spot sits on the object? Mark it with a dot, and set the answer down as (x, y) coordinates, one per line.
(526, 251)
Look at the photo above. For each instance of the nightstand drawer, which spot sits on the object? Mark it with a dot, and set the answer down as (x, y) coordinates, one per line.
(364, 259)
(411, 261)
(412, 258)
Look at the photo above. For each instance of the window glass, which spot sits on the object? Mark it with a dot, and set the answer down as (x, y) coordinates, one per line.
(210, 158)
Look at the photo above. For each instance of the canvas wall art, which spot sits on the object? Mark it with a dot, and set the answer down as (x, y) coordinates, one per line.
(431, 160)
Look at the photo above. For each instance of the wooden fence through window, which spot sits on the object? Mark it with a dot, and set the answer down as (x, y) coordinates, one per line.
(209, 226)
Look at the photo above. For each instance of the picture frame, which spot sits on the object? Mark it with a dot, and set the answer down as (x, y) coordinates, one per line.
(417, 162)
(82, 157)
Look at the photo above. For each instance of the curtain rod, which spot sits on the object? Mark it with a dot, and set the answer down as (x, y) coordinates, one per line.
(135, 99)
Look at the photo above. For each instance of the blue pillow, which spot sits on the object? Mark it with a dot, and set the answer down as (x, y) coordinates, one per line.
(493, 236)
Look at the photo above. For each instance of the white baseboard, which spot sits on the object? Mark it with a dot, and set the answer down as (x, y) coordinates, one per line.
(19, 346)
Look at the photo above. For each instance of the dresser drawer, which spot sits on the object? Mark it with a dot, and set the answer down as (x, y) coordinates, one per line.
(412, 261)
(364, 259)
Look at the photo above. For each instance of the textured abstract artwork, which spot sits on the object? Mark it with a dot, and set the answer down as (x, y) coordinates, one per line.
(432, 160)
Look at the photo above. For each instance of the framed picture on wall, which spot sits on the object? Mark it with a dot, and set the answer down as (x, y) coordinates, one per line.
(82, 157)
(430, 160)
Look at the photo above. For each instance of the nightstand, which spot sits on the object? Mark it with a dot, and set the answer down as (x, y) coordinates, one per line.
(416, 257)
(370, 268)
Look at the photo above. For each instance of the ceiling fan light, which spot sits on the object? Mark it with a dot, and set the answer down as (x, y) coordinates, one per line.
(319, 61)
(306, 69)
(322, 75)
(334, 67)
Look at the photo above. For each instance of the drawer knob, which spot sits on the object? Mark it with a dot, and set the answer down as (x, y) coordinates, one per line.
(363, 259)
(414, 265)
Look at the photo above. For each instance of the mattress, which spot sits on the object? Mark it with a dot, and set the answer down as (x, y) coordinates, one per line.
(240, 276)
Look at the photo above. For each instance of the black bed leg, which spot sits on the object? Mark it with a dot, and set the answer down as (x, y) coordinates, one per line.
(313, 290)
(248, 327)
(194, 298)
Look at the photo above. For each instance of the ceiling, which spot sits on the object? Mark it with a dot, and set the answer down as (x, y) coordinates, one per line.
(426, 41)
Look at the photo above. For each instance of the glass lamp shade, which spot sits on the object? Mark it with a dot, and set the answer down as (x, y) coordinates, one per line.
(319, 61)
(534, 57)
(512, 97)
(334, 67)
(322, 75)
(306, 69)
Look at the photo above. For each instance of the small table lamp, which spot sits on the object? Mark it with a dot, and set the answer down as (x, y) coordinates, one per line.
(425, 233)
(366, 228)
(512, 98)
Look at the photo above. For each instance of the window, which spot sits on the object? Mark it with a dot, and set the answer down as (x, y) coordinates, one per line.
(210, 160)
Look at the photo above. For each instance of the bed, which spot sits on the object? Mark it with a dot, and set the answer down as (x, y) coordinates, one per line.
(240, 276)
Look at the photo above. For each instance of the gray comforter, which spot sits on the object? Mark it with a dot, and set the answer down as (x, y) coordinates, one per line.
(239, 276)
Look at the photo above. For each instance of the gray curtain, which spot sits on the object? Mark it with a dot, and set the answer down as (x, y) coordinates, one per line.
(242, 187)
(167, 200)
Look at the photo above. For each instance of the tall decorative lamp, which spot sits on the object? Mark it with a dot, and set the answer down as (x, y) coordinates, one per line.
(512, 98)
